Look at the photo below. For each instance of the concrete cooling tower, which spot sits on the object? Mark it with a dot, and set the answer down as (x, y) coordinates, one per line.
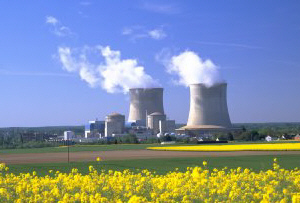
(208, 110)
(143, 102)
(208, 105)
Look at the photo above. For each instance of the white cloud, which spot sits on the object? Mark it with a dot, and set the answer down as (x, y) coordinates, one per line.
(127, 31)
(51, 20)
(113, 73)
(140, 32)
(189, 68)
(57, 28)
(70, 63)
(157, 34)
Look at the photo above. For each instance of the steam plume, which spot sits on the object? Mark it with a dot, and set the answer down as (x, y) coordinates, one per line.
(113, 73)
(191, 69)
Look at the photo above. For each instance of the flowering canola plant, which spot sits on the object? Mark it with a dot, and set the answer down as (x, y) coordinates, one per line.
(196, 184)
(238, 147)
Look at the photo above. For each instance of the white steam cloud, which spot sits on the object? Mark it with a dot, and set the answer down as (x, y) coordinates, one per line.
(192, 69)
(113, 73)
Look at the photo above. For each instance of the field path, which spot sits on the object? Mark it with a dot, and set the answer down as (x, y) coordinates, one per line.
(123, 155)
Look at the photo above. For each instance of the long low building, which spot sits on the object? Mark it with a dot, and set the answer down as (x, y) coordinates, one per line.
(201, 130)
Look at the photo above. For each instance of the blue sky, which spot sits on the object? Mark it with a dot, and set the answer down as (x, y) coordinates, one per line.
(255, 44)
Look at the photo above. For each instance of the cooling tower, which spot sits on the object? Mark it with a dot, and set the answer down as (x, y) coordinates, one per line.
(208, 106)
(145, 101)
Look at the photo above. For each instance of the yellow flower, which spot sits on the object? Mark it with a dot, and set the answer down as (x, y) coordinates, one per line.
(98, 159)
(194, 185)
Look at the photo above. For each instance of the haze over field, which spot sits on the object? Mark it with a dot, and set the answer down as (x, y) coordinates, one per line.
(64, 63)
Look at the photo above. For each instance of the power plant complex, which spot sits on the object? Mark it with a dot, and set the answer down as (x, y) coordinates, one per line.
(208, 114)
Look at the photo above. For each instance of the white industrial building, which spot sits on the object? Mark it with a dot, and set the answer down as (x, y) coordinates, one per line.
(68, 135)
(158, 123)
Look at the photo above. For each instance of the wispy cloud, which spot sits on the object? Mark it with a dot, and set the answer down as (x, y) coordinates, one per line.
(140, 32)
(157, 34)
(58, 28)
(51, 20)
(245, 46)
(161, 8)
(47, 74)
(127, 31)
(85, 3)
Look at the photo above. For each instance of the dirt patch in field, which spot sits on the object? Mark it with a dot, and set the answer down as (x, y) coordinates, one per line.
(122, 155)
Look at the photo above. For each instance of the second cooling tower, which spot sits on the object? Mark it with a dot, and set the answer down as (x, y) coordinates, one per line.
(208, 106)
(143, 102)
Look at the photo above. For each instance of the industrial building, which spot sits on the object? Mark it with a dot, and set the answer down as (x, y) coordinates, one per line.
(167, 126)
(68, 135)
(114, 124)
(154, 122)
(158, 124)
(208, 110)
(94, 129)
(146, 110)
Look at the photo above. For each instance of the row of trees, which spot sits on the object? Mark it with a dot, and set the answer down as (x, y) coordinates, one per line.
(255, 135)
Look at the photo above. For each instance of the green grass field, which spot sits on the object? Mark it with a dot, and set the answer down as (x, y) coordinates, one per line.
(163, 166)
(79, 148)
(112, 147)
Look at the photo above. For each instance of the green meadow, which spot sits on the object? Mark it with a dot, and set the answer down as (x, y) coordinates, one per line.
(164, 165)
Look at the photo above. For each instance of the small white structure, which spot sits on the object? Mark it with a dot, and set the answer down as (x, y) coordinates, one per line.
(268, 138)
(69, 135)
(169, 142)
(154, 122)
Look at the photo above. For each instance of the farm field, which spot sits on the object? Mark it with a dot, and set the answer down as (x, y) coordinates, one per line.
(163, 165)
(169, 180)
(240, 147)
(150, 175)
(84, 156)
(78, 148)
(115, 147)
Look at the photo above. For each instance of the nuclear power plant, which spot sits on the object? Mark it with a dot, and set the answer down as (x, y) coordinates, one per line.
(208, 114)
(146, 117)
(208, 110)
(143, 102)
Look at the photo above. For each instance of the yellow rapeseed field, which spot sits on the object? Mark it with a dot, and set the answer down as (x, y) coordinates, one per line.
(197, 184)
(241, 147)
